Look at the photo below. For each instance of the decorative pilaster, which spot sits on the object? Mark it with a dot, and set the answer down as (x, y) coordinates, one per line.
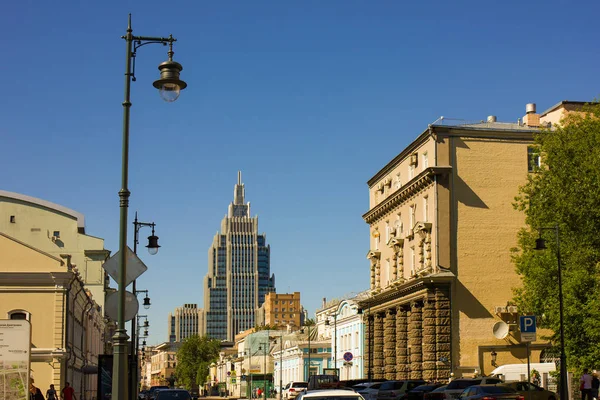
(373, 256)
(389, 345)
(378, 348)
(428, 264)
(402, 360)
(415, 341)
(368, 345)
(372, 275)
(377, 273)
(442, 333)
(401, 263)
(429, 338)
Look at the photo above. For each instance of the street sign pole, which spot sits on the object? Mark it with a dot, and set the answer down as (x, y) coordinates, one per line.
(527, 324)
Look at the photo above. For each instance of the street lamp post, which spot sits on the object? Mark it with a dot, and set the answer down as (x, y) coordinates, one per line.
(540, 244)
(266, 348)
(169, 85)
(334, 341)
(280, 365)
(152, 250)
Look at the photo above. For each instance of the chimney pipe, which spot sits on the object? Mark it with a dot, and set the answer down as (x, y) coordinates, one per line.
(530, 108)
(324, 301)
(491, 118)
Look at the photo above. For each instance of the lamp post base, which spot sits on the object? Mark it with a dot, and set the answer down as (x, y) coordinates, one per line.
(120, 369)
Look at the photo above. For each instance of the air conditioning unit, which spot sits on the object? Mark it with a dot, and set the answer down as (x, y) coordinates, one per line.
(512, 309)
(414, 159)
(499, 309)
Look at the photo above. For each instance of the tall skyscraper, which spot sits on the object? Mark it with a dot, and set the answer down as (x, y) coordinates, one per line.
(239, 271)
(185, 322)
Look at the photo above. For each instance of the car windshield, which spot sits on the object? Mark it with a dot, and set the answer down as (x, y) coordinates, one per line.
(172, 395)
(388, 385)
(441, 388)
(497, 389)
(462, 384)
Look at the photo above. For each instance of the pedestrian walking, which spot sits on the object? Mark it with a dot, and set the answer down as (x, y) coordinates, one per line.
(585, 385)
(68, 393)
(595, 386)
(51, 393)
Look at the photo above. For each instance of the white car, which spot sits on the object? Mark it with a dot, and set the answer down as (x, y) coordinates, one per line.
(330, 394)
(292, 389)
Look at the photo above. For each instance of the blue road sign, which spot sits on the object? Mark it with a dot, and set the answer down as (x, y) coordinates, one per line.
(528, 328)
(527, 323)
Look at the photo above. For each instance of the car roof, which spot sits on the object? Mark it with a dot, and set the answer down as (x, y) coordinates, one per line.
(330, 392)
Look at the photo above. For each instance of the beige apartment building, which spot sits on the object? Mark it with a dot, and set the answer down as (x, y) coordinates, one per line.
(163, 363)
(280, 310)
(442, 224)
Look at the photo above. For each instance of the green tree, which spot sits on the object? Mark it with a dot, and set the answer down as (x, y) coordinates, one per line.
(564, 192)
(194, 358)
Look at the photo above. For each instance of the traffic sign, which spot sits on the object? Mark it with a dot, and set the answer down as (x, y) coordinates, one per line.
(135, 267)
(528, 328)
(348, 356)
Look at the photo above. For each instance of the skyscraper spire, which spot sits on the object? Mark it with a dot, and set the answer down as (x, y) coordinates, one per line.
(239, 191)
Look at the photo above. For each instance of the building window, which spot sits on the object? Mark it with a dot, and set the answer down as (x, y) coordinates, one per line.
(425, 160)
(412, 260)
(533, 159)
(425, 208)
(411, 171)
(399, 226)
(398, 183)
(413, 209)
(19, 314)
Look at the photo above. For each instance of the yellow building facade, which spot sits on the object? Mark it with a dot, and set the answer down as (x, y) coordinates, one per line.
(442, 225)
(280, 310)
(67, 324)
(51, 274)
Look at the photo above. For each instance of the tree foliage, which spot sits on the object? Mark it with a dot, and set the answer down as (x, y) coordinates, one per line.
(194, 358)
(564, 192)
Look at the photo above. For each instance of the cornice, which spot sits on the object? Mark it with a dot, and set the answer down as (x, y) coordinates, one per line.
(406, 289)
(8, 279)
(415, 185)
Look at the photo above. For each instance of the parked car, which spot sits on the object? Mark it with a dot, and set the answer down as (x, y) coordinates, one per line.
(418, 393)
(152, 391)
(496, 392)
(457, 386)
(330, 394)
(368, 390)
(292, 389)
(142, 395)
(316, 382)
(172, 394)
(527, 389)
(436, 394)
(396, 390)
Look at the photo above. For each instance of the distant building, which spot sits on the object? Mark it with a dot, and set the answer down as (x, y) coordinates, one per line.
(281, 310)
(185, 322)
(163, 364)
(239, 272)
(442, 225)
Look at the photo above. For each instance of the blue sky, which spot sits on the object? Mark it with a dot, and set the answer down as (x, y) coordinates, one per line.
(309, 99)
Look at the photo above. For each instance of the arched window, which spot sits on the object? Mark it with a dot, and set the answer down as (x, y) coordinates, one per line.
(19, 314)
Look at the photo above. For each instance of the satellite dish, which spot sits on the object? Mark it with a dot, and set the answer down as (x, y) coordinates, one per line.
(500, 330)
(131, 306)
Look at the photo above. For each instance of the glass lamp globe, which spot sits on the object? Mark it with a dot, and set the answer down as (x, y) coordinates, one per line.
(169, 92)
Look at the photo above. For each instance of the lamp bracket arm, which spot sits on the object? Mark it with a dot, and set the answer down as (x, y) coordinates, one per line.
(139, 41)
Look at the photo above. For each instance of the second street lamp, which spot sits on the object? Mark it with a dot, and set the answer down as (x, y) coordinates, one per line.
(152, 250)
(169, 82)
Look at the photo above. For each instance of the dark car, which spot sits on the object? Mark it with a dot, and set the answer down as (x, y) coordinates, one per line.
(497, 392)
(396, 390)
(531, 391)
(418, 393)
(150, 395)
(436, 394)
(457, 386)
(368, 390)
(172, 394)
